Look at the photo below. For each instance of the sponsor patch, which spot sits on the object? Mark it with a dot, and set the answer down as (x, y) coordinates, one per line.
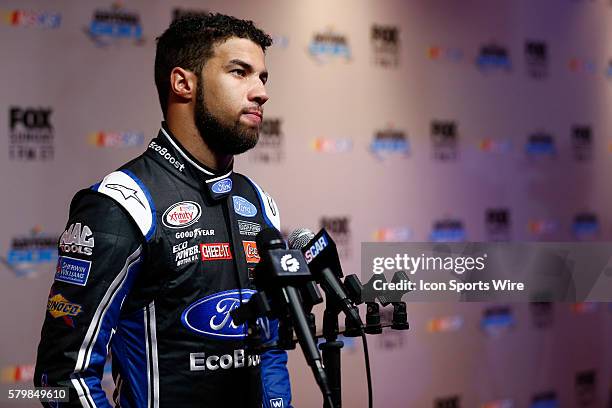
(181, 215)
(77, 239)
(72, 270)
(215, 251)
(248, 228)
(163, 152)
(184, 254)
(239, 359)
(210, 315)
(243, 207)
(59, 306)
(195, 233)
(222, 186)
(277, 403)
(250, 251)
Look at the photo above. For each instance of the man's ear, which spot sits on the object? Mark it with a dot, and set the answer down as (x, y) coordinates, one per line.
(183, 83)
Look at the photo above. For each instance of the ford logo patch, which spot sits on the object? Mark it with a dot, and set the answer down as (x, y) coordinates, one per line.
(222, 186)
(243, 207)
(210, 316)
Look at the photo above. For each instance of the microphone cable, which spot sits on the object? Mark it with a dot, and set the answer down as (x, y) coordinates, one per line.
(366, 356)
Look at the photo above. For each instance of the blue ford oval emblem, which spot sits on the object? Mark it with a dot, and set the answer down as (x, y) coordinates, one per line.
(243, 207)
(210, 316)
(222, 186)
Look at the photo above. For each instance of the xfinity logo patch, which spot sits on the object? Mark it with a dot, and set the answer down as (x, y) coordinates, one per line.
(77, 239)
(222, 186)
(181, 215)
(243, 207)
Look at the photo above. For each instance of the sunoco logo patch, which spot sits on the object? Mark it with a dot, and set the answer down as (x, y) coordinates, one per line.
(59, 306)
(181, 215)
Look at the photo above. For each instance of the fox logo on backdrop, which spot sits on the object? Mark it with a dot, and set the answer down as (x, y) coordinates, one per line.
(385, 45)
(269, 148)
(444, 139)
(30, 133)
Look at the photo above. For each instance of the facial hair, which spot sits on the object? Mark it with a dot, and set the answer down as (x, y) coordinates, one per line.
(218, 137)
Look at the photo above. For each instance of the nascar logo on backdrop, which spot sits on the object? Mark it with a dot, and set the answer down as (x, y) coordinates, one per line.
(31, 18)
(116, 139)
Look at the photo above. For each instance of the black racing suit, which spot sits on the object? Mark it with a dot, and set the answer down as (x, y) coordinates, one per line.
(152, 261)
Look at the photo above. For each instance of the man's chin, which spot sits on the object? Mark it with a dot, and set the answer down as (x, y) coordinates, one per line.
(250, 143)
(247, 141)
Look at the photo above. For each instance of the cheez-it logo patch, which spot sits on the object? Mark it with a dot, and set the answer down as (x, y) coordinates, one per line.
(250, 251)
(215, 251)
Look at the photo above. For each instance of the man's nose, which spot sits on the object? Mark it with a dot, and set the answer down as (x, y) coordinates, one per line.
(258, 93)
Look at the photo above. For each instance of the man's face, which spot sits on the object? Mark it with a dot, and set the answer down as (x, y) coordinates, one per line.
(230, 94)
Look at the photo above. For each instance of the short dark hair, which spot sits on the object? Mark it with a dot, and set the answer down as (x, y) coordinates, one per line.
(189, 41)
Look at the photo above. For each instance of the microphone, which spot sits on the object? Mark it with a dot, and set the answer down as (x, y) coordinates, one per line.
(284, 269)
(324, 263)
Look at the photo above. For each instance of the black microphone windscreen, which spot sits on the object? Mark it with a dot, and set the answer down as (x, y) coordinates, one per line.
(269, 238)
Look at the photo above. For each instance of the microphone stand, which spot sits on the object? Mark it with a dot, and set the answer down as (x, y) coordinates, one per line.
(281, 272)
(330, 350)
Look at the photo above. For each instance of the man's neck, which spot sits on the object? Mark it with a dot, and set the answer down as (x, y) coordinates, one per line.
(189, 136)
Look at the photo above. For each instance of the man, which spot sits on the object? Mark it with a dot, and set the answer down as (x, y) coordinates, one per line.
(157, 254)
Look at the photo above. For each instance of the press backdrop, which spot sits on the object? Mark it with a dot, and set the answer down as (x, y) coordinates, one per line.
(387, 121)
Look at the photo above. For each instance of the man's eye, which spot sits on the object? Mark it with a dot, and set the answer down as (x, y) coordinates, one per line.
(240, 72)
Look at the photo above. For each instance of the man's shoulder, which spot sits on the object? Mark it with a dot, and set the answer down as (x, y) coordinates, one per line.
(128, 188)
(268, 204)
(249, 181)
(101, 213)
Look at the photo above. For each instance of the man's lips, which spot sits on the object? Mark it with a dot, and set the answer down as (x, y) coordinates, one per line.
(254, 116)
